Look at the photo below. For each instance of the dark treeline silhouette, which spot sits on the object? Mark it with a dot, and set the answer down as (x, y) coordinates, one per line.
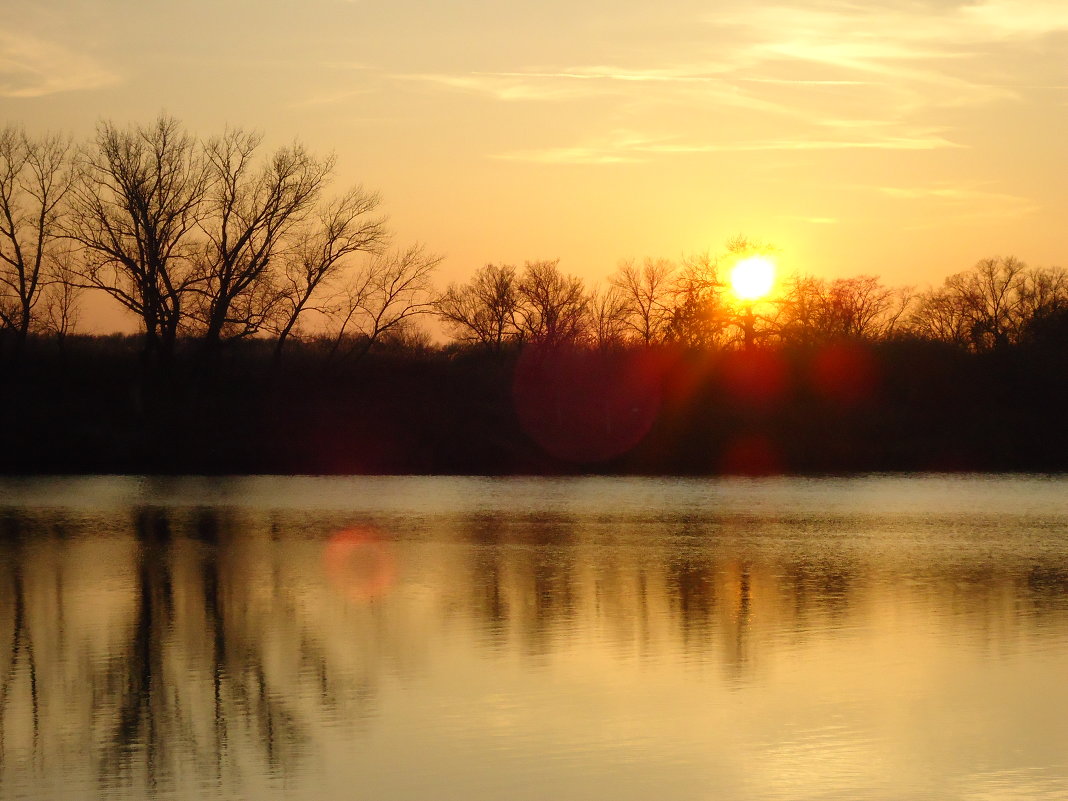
(408, 407)
(280, 333)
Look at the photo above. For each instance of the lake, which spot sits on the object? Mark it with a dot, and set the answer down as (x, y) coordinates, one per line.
(877, 637)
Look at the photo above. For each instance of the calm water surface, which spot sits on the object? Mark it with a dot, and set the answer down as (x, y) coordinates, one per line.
(458, 638)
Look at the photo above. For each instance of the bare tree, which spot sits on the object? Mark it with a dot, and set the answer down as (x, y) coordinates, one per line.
(61, 299)
(486, 308)
(799, 317)
(982, 308)
(938, 316)
(249, 211)
(136, 208)
(990, 294)
(699, 315)
(812, 310)
(382, 293)
(554, 305)
(35, 178)
(609, 313)
(646, 292)
(323, 249)
(1043, 291)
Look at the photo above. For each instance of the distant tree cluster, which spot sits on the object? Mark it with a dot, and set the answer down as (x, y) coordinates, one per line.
(209, 239)
(657, 301)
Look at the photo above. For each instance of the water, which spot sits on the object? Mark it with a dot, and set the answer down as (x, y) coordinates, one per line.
(457, 638)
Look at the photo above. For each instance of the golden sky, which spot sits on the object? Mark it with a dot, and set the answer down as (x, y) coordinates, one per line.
(906, 138)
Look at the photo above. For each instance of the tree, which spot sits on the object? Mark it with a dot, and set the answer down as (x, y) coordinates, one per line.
(61, 302)
(323, 249)
(609, 311)
(990, 295)
(938, 316)
(381, 294)
(485, 309)
(981, 308)
(554, 306)
(35, 178)
(812, 310)
(1043, 292)
(800, 309)
(699, 317)
(136, 207)
(248, 213)
(646, 296)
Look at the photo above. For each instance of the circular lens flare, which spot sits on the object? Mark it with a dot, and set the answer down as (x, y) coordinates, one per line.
(752, 277)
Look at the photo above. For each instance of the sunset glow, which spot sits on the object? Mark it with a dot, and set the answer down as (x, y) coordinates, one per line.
(899, 140)
(752, 277)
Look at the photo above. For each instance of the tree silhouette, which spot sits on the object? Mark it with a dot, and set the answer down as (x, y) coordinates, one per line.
(34, 181)
(324, 247)
(381, 294)
(485, 309)
(248, 213)
(554, 306)
(646, 296)
(136, 207)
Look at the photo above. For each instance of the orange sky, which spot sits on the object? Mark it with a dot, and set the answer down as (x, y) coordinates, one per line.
(906, 138)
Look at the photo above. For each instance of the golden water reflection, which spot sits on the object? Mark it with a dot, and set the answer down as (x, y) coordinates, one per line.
(218, 652)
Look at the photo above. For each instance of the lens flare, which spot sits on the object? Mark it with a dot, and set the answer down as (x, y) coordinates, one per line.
(359, 564)
(752, 277)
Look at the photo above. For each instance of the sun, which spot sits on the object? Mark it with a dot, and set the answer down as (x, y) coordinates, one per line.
(752, 277)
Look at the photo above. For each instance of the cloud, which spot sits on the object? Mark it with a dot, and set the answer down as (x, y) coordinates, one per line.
(627, 147)
(959, 204)
(815, 75)
(34, 67)
(1002, 19)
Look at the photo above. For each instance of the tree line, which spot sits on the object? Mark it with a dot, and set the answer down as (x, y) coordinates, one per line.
(214, 240)
(1000, 301)
(206, 239)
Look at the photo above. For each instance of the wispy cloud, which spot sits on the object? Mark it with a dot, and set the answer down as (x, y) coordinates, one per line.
(33, 67)
(1011, 18)
(824, 74)
(633, 148)
(964, 204)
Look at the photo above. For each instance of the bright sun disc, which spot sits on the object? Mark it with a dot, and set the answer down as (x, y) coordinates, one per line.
(752, 277)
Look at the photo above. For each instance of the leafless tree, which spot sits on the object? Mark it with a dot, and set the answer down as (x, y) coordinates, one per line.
(646, 291)
(380, 294)
(554, 306)
(990, 294)
(813, 310)
(61, 299)
(35, 178)
(485, 309)
(938, 316)
(136, 208)
(248, 212)
(983, 307)
(324, 247)
(1043, 291)
(609, 313)
(699, 315)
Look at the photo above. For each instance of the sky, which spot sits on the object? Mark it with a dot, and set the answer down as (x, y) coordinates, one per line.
(906, 139)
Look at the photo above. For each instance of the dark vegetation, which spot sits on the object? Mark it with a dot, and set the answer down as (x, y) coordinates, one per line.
(281, 333)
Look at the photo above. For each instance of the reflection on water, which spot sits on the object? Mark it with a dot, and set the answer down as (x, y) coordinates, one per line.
(878, 638)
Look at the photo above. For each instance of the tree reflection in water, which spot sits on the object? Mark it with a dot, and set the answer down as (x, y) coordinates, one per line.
(198, 647)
